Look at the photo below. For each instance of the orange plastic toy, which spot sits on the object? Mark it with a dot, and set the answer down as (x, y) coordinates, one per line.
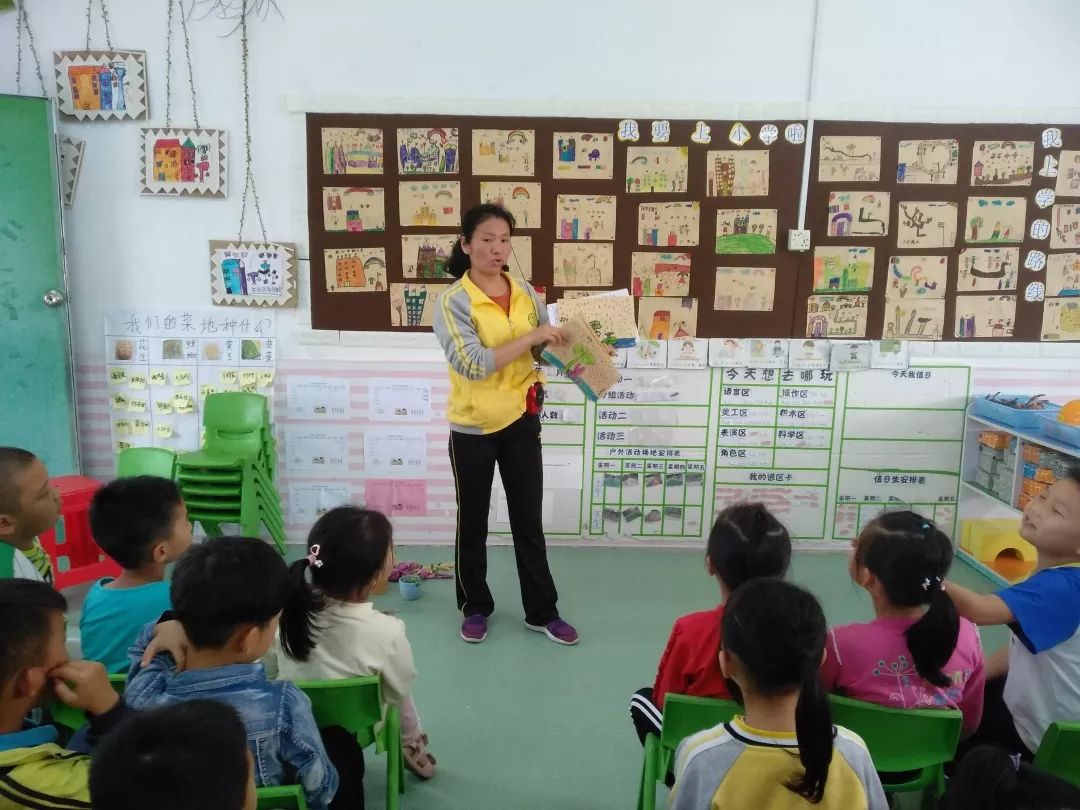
(1070, 413)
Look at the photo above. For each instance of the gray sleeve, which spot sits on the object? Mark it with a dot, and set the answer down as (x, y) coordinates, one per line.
(856, 755)
(456, 332)
(541, 307)
(694, 787)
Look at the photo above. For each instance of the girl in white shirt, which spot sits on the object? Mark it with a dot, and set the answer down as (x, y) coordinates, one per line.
(331, 630)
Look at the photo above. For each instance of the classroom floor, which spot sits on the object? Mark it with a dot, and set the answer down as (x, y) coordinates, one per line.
(519, 723)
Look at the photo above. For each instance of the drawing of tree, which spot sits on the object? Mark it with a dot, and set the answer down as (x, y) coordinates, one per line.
(976, 223)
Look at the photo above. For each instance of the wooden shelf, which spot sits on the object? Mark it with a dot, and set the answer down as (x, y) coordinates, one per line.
(1034, 438)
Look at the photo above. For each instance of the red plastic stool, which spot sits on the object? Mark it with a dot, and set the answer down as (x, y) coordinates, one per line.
(85, 562)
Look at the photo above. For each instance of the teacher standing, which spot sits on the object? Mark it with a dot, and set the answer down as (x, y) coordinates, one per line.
(490, 327)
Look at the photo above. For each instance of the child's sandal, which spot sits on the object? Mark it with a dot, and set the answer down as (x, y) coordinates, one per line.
(418, 760)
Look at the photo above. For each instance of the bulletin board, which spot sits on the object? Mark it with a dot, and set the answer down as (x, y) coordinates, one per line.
(357, 188)
(942, 232)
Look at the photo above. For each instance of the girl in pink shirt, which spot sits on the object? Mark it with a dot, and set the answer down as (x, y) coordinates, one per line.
(918, 653)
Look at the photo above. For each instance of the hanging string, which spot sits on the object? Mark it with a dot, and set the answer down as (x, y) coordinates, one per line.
(168, 64)
(249, 179)
(190, 72)
(22, 19)
(104, 19)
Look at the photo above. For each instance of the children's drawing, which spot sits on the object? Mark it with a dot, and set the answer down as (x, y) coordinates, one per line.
(656, 169)
(985, 316)
(505, 152)
(1002, 163)
(749, 289)
(843, 269)
(611, 317)
(580, 264)
(809, 354)
(349, 150)
(688, 353)
(768, 353)
(355, 269)
(582, 155)
(101, 85)
(1061, 319)
(737, 173)
(659, 274)
(669, 224)
(1063, 275)
(731, 352)
(746, 230)
(845, 157)
(428, 151)
(1066, 223)
(987, 269)
(71, 157)
(914, 318)
(1068, 174)
(521, 255)
(589, 218)
(584, 359)
(414, 304)
(850, 355)
(253, 273)
(520, 199)
(928, 162)
(829, 316)
(995, 219)
(858, 213)
(926, 224)
(426, 255)
(917, 277)
(429, 204)
(667, 318)
(354, 210)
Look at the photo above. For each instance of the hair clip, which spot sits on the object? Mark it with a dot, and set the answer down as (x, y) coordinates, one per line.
(1015, 761)
(925, 583)
(926, 527)
(929, 581)
(313, 556)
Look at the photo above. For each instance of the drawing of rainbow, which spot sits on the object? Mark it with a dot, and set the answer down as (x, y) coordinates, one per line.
(520, 193)
(516, 135)
(640, 160)
(443, 193)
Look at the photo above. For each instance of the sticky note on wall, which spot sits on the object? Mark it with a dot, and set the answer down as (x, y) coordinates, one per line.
(117, 375)
(182, 377)
(159, 377)
(137, 382)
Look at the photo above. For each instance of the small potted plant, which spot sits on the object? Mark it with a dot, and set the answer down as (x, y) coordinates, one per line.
(409, 585)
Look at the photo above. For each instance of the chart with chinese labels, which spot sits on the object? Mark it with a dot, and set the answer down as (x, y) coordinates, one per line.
(650, 437)
(161, 365)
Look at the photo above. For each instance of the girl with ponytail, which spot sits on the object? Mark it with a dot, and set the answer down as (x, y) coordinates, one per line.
(918, 653)
(331, 630)
(784, 753)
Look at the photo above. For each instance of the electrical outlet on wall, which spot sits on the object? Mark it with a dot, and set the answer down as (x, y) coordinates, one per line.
(798, 240)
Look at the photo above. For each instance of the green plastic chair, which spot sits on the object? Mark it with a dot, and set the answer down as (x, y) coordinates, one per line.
(1059, 752)
(356, 705)
(74, 719)
(684, 715)
(918, 742)
(158, 461)
(286, 797)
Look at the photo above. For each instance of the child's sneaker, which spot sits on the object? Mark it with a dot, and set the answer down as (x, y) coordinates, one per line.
(559, 631)
(474, 628)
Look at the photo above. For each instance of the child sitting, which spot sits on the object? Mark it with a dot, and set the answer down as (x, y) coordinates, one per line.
(917, 653)
(774, 641)
(150, 759)
(227, 595)
(990, 779)
(34, 668)
(336, 632)
(29, 505)
(746, 542)
(1043, 658)
(142, 524)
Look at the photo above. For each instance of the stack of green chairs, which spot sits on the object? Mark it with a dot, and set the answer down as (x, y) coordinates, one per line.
(231, 480)
(159, 461)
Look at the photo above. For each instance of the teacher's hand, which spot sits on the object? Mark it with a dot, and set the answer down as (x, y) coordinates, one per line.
(547, 334)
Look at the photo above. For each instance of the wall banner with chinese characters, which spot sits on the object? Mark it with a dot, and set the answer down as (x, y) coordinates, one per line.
(161, 364)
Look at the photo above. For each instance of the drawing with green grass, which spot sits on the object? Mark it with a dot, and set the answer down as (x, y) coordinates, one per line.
(746, 230)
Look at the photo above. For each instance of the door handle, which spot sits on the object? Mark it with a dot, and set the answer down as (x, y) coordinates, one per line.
(54, 298)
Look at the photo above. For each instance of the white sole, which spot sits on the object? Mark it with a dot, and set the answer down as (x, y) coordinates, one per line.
(468, 640)
(539, 628)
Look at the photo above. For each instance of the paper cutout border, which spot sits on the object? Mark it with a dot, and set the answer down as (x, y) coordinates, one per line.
(215, 186)
(136, 95)
(219, 294)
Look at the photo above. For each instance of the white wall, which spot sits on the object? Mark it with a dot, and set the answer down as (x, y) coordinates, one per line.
(958, 59)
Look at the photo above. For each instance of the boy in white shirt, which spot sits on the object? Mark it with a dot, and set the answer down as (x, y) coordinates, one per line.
(29, 505)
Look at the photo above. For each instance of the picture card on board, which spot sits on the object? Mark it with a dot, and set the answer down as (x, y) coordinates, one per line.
(765, 353)
(917, 277)
(1066, 227)
(737, 173)
(175, 162)
(656, 169)
(829, 316)
(745, 289)
(926, 224)
(843, 269)
(688, 353)
(928, 161)
(1061, 319)
(856, 158)
(582, 264)
(1063, 275)
(352, 150)
(101, 85)
(583, 155)
(355, 269)
(423, 150)
(588, 218)
(414, 304)
(985, 316)
(993, 220)
(731, 352)
(520, 199)
(509, 152)
(1068, 174)
(261, 274)
(1002, 163)
(426, 255)
(647, 354)
(354, 209)
(746, 230)
(659, 274)
(858, 213)
(809, 355)
(890, 354)
(988, 269)
(914, 318)
(850, 355)
(667, 318)
(669, 224)
(424, 203)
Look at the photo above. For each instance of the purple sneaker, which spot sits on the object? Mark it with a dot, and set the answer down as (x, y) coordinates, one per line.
(474, 628)
(558, 631)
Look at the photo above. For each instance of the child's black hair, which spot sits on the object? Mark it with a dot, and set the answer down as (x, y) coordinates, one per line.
(989, 778)
(352, 545)
(1073, 473)
(747, 541)
(129, 515)
(776, 630)
(458, 263)
(13, 460)
(910, 556)
(26, 607)
(189, 754)
(225, 583)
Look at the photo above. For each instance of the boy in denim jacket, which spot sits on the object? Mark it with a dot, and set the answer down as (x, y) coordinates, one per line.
(226, 595)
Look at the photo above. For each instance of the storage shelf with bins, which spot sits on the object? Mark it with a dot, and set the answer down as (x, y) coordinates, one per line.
(977, 501)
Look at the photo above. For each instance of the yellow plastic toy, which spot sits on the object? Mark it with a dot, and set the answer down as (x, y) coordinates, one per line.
(1070, 413)
(996, 544)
